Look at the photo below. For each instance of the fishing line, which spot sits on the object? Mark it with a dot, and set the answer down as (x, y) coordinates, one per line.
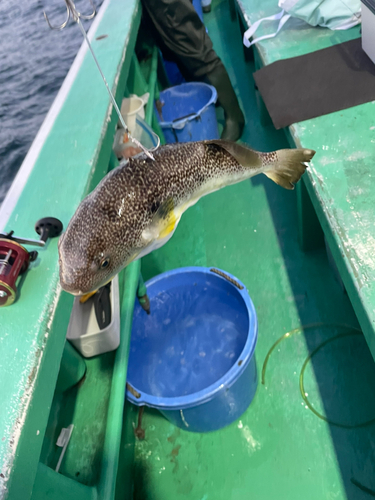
(76, 15)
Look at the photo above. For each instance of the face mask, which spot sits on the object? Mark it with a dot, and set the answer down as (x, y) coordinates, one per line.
(332, 14)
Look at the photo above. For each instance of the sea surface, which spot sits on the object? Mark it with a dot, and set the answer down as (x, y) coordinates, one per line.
(34, 61)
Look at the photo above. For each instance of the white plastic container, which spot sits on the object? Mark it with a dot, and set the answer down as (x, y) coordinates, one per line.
(368, 28)
(83, 329)
(131, 107)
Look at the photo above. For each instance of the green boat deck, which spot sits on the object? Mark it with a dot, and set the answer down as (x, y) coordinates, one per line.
(279, 448)
(314, 441)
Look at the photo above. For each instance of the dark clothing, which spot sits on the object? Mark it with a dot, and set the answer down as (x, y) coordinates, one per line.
(182, 36)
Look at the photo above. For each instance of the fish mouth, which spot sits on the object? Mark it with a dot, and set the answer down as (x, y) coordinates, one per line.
(70, 290)
(70, 285)
(83, 293)
(76, 293)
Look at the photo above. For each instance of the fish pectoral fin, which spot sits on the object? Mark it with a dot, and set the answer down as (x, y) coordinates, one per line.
(169, 228)
(163, 222)
(245, 156)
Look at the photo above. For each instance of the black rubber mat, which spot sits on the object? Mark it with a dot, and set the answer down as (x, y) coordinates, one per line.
(318, 83)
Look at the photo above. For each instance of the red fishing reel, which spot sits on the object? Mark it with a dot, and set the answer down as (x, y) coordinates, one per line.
(15, 259)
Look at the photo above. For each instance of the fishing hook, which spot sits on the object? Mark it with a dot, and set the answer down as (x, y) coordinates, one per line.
(71, 11)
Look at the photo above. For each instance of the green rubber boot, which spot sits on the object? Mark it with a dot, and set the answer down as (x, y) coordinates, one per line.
(234, 118)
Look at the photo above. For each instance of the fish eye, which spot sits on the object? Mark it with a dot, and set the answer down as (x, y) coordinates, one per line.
(104, 263)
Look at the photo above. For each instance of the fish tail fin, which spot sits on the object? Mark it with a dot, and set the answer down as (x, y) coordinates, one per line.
(286, 166)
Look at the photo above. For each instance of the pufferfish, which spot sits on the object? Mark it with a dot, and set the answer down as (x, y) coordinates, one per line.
(137, 206)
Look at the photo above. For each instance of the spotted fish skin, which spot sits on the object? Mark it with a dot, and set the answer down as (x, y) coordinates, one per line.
(137, 206)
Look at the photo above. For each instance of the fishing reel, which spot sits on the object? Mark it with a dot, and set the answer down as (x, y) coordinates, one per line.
(15, 259)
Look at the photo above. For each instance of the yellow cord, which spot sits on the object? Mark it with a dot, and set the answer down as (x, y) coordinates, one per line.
(354, 331)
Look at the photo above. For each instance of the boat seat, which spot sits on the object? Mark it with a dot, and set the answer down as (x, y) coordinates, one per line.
(337, 194)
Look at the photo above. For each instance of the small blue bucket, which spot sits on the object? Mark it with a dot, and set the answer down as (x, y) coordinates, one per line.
(189, 112)
(193, 357)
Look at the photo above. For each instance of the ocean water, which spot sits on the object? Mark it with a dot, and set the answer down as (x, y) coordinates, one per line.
(34, 61)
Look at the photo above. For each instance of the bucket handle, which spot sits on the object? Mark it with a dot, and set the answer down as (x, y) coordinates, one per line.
(132, 391)
(228, 278)
(184, 117)
(179, 123)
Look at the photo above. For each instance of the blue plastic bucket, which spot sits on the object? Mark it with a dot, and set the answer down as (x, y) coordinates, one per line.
(193, 358)
(174, 74)
(189, 112)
